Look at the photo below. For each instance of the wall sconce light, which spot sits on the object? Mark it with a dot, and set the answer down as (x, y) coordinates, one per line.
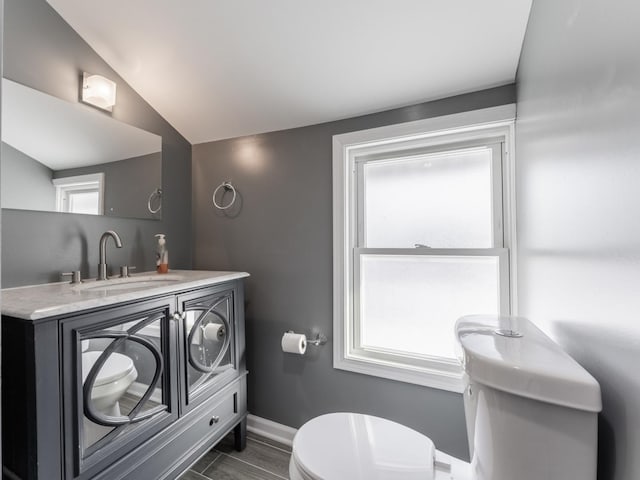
(98, 91)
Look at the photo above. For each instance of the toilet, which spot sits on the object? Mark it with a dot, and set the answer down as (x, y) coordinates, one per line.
(531, 414)
(114, 378)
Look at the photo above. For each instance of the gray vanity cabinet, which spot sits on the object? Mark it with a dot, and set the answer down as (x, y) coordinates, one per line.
(133, 391)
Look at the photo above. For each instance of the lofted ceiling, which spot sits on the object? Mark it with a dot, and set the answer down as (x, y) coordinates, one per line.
(217, 69)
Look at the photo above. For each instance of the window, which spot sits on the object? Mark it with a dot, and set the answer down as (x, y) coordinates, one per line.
(422, 236)
(80, 194)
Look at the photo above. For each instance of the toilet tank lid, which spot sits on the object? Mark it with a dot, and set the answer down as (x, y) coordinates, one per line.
(511, 354)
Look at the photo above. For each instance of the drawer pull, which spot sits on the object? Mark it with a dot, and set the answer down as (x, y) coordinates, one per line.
(214, 419)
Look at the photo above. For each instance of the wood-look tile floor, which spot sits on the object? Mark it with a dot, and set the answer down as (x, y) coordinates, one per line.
(263, 459)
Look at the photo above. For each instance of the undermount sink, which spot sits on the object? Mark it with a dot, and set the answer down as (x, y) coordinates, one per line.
(130, 283)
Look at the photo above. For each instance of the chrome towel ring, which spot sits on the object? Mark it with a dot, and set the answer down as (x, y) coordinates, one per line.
(156, 194)
(227, 187)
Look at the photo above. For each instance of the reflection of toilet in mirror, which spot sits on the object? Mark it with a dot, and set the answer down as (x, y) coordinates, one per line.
(114, 378)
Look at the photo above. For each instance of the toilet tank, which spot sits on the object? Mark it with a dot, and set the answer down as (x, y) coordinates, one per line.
(531, 410)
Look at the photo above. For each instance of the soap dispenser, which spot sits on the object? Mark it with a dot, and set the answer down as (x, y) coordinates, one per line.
(162, 254)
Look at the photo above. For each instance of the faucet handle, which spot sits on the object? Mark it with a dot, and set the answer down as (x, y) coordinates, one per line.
(76, 277)
(125, 271)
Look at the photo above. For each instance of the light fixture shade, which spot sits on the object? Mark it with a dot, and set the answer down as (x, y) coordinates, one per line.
(98, 91)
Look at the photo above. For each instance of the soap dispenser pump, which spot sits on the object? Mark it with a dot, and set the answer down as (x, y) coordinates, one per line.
(162, 254)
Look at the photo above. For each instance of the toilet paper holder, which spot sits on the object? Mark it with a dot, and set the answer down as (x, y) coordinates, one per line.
(319, 340)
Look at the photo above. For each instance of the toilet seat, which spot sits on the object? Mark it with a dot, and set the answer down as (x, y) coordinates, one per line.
(114, 368)
(352, 446)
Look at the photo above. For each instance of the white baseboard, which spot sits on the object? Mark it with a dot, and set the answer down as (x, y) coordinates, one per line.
(272, 430)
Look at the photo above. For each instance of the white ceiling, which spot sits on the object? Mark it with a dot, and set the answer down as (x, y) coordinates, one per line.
(61, 135)
(224, 68)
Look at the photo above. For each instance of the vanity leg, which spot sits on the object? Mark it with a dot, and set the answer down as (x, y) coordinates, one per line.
(240, 436)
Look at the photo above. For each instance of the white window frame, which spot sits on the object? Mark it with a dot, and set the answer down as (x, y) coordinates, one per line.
(496, 124)
(79, 183)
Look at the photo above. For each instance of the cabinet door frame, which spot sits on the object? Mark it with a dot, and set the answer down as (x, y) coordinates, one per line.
(237, 345)
(76, 465)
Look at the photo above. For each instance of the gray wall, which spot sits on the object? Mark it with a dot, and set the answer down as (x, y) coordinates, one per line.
(127, 184)
(578, 163)
(43, 52)
(1, 49)
(280, 232)
(26, 183)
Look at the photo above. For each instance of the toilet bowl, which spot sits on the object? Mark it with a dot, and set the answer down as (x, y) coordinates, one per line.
(531, 414)
(114, 378)
(354, 446)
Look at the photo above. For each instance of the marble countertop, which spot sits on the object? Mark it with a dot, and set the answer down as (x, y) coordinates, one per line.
(36, 302)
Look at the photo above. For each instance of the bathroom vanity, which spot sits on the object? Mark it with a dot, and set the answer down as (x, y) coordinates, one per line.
(130, 378)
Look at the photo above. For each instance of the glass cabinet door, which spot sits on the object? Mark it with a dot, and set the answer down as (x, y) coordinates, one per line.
(122, 387)
(208, 335)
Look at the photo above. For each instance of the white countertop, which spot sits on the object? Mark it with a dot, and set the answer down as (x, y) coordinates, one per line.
(35, 302)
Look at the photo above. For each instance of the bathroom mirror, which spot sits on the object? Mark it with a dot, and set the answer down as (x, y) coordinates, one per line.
(59, 156)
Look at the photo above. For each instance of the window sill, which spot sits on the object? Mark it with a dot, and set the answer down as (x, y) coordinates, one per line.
(427, 377)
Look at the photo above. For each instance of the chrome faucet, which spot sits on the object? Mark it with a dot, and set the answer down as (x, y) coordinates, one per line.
(102, 266)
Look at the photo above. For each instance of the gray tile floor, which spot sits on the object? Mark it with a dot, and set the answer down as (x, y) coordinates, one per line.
(263, 459)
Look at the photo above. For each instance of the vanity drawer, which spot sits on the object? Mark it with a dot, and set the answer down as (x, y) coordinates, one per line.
(218, 416)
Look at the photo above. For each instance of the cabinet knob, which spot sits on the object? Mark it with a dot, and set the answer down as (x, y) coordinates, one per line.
(179, 316)
(214, 419)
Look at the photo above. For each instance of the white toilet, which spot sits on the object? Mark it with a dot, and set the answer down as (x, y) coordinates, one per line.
(113, 380)
(531, 414)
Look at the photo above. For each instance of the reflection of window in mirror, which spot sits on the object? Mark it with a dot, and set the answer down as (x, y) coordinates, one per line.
(80, 194)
